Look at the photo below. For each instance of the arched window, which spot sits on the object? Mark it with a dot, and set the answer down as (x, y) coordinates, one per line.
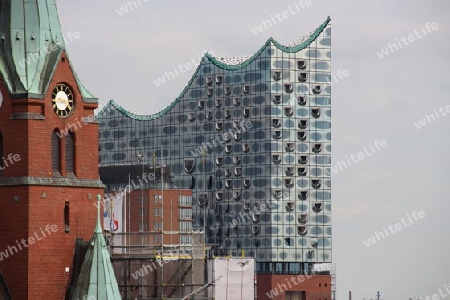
(70, 153)
(56, 153)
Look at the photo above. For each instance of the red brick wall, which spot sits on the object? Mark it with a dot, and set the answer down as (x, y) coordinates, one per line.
(38, 272)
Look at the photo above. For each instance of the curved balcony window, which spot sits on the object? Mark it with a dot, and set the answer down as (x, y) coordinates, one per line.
(228, 148)
(276, 123)
(191, 116)
(301, 100)
(289, 171)
(315, 112)
(317, 89)
(301, 64)
(218, 102)
(245, 147)
(236, 124)
(238, 171)
(256, 217)
(227, 114)
(247, 183)
(255, 229)
(301, 171)
(302, 77)
(236, 160)
(226, 137)
(219, 79)
(210, 92)
(288, 111)
(227, 90)
(290, 147)
(303, 195)
(277, 194)
(303, 159)
(277, 98)
(303, 218)
(317, 207)
(228, 183)
(236, 195)
(219, 196)
(247, 206)
(301, 135)
(219, 126)
(246, 112)
(276, 158)
(276, 75)
(290, 206)
(302, 230)
(202, 200)
(236, 101)
(208, 80)
(246, 88)
(317, 148)
(189, 165)
(303, 124)
(315, 183)
(277, 134)
(288, 88)
(209, 115)
(227, 172)
(219, 160)
(237, 136)
(289, 183)
(201, 104)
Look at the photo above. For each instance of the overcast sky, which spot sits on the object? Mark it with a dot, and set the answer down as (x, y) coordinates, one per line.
(120, 57)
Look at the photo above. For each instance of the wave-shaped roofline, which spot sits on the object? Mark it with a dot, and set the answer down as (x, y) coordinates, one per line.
(221, 65)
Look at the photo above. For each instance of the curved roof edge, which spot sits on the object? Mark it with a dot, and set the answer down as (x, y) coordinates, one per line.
(221, 65)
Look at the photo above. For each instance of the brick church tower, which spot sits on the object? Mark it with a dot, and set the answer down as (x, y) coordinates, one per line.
(49, 179)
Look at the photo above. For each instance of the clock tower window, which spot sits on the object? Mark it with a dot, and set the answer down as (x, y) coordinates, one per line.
(56, 154)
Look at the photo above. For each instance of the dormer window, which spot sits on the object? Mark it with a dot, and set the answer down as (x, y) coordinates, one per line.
(227, 114)
(191, 116)
(315, 183)
(290, 206)
(277, 98)
(189, 165)
(289, 183)
(317, 148)
(302, 230)
(236, 101)
(303, 159)
(289, 171)
(302, 77)
(276, 75)
(209, 80)
(247, 183)
(237, 171)
(219, 160)
(317, 89)
(227, 172)
(301, 100)
(228, 148)
(276, 123)
(255, 229)
(236, 195)
(228, 183)
(277, 194)
(256, 217)
(219, 196)
(290, 147)
(317, 207)
(277, 134)
(246, 88)
(301, 171)
(247, 206)
(202, 200)
(301, 64)
(245, 147)
(227, 90)
(210, 92)
(209, 115)
(201, 104)
(236, 160)
(315, 112)
(303, 195)
(218, 102)
(301, 135)
(219, 126)
(219, 79)
(246, 112)
(303, 218)
(288, 111)
(303, 124)
(276, 158)
(288, 88)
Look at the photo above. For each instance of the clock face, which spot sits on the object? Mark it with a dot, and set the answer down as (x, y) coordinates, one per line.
(62, 100)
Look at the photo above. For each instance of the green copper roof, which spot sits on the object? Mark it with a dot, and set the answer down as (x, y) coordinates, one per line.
(97, 277)
(31, 45)
(221, 65)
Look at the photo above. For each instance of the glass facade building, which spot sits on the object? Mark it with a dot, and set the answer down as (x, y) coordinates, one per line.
(251, 137)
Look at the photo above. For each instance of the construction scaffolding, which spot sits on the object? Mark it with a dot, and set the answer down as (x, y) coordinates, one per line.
(149, 271)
